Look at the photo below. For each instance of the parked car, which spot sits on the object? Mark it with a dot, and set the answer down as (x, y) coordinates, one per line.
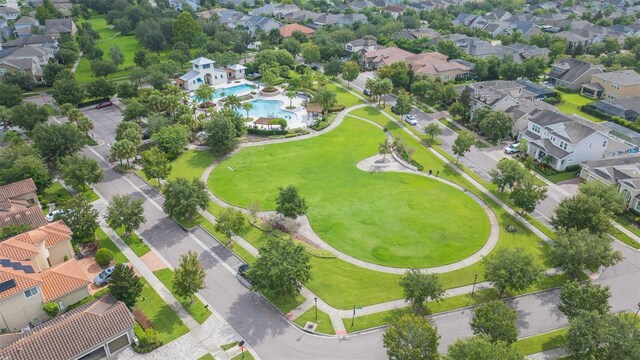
(366, 92)
(54, 215)
(104, 104)
(146, 134)
(242, 271)
(512, 149)
(104, 277)
(411, 120)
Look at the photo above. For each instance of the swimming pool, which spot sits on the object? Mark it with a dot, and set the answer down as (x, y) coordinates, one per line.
(268, 109)
(232, 90)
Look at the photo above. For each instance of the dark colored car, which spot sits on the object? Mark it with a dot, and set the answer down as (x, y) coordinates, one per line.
(242, 271)
(104, 104)
(366, 92)
(146, 134)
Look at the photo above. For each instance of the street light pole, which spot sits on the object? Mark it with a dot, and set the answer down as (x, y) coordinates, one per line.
(316, 300)
(241, 344)
(475, 278)
(353, 317)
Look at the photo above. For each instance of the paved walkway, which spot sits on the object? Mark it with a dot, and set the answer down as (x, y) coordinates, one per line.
(548, 355)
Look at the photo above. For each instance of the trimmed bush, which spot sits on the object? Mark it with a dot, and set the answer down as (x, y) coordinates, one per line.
(264, 132)
(148, 339)
(51, 308)
(572, 168)
(104, 256)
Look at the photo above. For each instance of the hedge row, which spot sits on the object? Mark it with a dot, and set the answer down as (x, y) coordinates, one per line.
(265, 132)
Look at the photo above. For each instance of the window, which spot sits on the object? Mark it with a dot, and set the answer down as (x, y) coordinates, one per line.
(553, 138)
(535, 128)
(604, 143)
(570, 160)
(637, 207)
(2, 71)
(31, 292)
(206, 66)
(563, 145)
(196, 67)
(590, 144)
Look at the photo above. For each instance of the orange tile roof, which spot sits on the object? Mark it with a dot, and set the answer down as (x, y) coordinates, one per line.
(433, 63)
(23, 279)
(62, 279)
(30, 216)
(17, 188)
(71, 334)
(388, 55)
(52, 234)
(288, 30)
(17, 250)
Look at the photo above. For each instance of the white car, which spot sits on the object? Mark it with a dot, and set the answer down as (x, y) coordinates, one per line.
(411, 120)
(54, 214)
(512, 149)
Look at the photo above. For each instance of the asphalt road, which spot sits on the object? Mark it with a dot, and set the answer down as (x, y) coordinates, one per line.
(267, 331)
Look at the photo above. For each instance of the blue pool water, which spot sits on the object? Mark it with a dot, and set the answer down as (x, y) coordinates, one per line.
(268, 109)
(233, 90)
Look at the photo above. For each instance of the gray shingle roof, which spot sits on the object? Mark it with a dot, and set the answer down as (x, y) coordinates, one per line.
(622, 77)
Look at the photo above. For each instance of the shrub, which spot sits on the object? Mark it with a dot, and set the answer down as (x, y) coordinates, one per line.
(51, 308)
(337, 108)
(573, 168)
(264, 132)
(148, 339)
(104, 256)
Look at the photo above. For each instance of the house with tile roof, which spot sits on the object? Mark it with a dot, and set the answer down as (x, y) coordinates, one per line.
(623, 172)
(572, 73)
(96, 330)
(20, 190)
(286, 31)
(19, 205)
(375, 59)
(612, 85)
(569, 140)
(437, 65)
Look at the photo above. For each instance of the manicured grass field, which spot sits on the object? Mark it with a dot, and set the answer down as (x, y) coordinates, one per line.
(134, 242)
(393, 219)
(324, 321)
(196, 309)
(105, 242)
(164, 320)
(571, 104)
(190, 164)
(58, 194)
(543, 342)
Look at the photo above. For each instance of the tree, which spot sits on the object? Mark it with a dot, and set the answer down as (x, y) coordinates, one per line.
(326, 99)
(495, 320)
(458, 111)
(333, 68)
(350, 72)
(10, 95)
(419, 287)
(289, 93)
(172, 139)
(586, 297)
(123, 149)
(231, 222)
(611, 199)
(533, 68)
(482, 348)
(51, 71)
(385, 148)
(116, 55)
(103, 68)
(310, 53)
(511, 269)
(404, 102)
(55, 141)
(130, 131)
(185, 28)
(232, 102)
(30, 165)
(507, 173)
(526, 194)
(103, 256)
(135, 111)
(81, 218)
(270, 79)
(576, 251)
(80, 171)
(24, 80)
(462, 144)
(125, 285)
(607, 337)
(125, 212)
(289, 203)
(205, 94)
(189, 277)
(84, 124)
(155, 165)
(383, 87)
(184, 197)
(291, 45)
(411, 338)
(495, 126)
(66, 89)
(101, 88)
(51, 308)
(582, 212)
(432, 130)
(398, 73)
(27, 115)
(221, 135)
(281, 269)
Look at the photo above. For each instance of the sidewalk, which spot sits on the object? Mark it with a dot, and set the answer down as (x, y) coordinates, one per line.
(548, 355)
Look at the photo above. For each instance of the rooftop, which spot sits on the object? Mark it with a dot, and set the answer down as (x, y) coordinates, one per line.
(16, 189)
(622, 77)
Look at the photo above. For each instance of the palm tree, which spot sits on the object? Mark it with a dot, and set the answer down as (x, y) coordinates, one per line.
(384, 149)
(65, 108)
(205, 93)
(232, 101)
(290, 94)
(370, 85)
(74, 115)
(326, 99)
(123, 149)
(384, 87)
(84, 124)
(247, 106)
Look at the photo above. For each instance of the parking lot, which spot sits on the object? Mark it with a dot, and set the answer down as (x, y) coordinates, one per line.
(105, 122)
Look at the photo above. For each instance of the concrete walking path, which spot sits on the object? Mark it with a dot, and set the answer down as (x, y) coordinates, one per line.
(548, 355)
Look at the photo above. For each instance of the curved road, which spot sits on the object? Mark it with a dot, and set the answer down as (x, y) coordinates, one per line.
(266, 330)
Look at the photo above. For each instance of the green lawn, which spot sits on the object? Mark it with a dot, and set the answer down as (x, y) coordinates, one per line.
(164, 320)
(134, 242)
(105, 242)
(206, 357)
(190, 164)
(387, 218)
(247, 356)
(324, 321)
(196, 309)
(344, 97)
(58, 194)
(571, 103)
(543, 342)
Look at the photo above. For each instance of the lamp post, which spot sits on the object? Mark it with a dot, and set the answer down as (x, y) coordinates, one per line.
(241, 344)
(475, 278)
(353, 317)
(316, 300)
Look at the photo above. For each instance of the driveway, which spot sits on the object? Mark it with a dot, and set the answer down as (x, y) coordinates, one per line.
(105, 121)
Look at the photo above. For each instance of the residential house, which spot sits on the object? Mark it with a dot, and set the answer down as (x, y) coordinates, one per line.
(338, 19)
(412, 34)
(276, 10)
(203, 72)
(627, 108)
(253, 24)
(50, 41)
(526, 28)
(224, 16)
(37, 267)
(393, 9)
(28, 66)
(521, 52)
(464, 19)
(64, 7)
(613, 85)
(237, 3)
(564, 141)
(357, 6)
(286, 31)
(622, 172)
(40, 54)
(23, 26)
(435, 64)
(9, 13)
(6, 30)
(375, 59)
(498, 15)
(236, 71)
(360, 46)
(301, 16)
(96, 330)
(59, 27)
(573, 73)
(19, 205)
(183, 4)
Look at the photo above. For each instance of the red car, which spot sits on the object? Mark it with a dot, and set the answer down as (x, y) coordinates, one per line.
(104, 104)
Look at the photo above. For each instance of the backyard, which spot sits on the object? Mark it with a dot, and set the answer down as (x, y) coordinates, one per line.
(571, 103)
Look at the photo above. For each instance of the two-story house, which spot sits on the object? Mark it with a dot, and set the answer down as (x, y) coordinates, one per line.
(623, 172)
(360, 46)
(372, 60)
(37, 267)
(19, 205)
(203, 72)
(573, 73)
(437, 65)
(9, 13)
(563, 141)
(60, 26)
(612, 85)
